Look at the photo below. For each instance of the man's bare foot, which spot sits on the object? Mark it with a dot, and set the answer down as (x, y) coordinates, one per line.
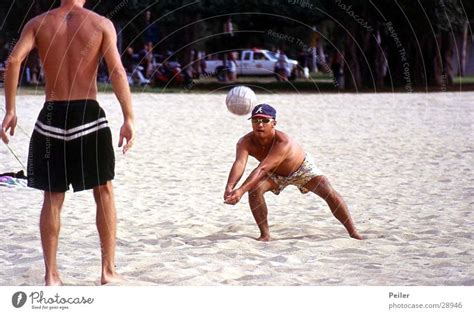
(52, 281)
(266, 238)
(356, 235)
(111, 278)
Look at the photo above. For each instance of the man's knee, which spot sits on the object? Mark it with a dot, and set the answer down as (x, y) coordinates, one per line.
(321, 186)
(54, 199)
(103, 192)
(323, 181)
(258, 191)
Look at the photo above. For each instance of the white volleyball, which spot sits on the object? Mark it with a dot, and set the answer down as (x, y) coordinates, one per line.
(240, 100)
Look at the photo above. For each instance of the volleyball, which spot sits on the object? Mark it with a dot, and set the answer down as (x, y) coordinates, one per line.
(240, 100)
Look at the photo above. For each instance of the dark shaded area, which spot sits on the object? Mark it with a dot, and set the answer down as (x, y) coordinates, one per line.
(366, 45)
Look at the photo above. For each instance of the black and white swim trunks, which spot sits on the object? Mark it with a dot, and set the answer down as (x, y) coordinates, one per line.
(71, 144)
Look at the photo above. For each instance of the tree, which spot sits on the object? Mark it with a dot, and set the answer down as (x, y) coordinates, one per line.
(414, 39)
(401, 43)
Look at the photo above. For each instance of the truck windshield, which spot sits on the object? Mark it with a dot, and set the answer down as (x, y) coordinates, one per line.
(272, 55)
(258, 56)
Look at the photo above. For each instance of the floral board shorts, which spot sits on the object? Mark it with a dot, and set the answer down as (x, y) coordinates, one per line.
(307, 171)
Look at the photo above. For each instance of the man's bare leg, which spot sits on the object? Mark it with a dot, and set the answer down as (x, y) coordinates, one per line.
(259, 209)
(50, 223)
(320, 185)
(106, 220)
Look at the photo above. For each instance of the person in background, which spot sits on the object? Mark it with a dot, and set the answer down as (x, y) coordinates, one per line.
(146, 60)
(134, 74)
(231, 66)
(281, 67)
(337, 68)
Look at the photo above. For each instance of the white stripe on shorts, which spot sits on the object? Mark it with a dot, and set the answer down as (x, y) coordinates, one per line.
(72, 130)
(74, 136)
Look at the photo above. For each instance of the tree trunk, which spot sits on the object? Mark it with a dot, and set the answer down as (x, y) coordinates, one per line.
(443, 68)
(380, 61)
(447, 50)
(366, 57)
(189, 34)
(437, 78)
(462, 68)
(423, 60)
(352, 73)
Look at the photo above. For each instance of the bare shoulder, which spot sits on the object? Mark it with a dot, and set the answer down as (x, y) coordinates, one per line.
(35, 22)
(95, 18)
(244, 142)
(107, 25)
(61, 14)
(283, 138)
(92, 14)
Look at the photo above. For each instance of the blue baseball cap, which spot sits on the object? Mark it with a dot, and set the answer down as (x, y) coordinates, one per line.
(264, 110)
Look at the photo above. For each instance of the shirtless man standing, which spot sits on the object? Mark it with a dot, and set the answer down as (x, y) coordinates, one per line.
(282, 162)
(71, 142)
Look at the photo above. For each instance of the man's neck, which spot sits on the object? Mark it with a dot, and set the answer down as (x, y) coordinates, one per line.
(72, 3)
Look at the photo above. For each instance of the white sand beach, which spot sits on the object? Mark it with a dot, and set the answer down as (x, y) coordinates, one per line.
(403, 163)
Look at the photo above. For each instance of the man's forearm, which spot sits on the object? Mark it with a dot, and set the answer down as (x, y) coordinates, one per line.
(230, 184)
(122, 91)
(252, 181)
(12, 75)
(232, 181)
(234, 176)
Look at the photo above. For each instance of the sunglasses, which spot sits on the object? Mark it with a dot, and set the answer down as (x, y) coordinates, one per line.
(261, 120)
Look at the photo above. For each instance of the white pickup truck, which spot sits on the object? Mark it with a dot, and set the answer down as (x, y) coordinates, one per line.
(258, 62)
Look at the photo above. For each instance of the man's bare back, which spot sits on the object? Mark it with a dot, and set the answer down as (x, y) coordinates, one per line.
(71, 41)
(69, 45)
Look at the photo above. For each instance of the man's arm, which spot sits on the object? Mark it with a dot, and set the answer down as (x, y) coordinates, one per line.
(25, 44)
(238, 167)
(119, 80)
(274, 158)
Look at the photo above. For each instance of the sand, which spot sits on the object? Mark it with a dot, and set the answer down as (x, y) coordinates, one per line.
(403, 163)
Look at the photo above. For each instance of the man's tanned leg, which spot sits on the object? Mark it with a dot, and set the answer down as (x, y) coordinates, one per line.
(50, 224)
(106, 220)
(320, 185)
(259, 209)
